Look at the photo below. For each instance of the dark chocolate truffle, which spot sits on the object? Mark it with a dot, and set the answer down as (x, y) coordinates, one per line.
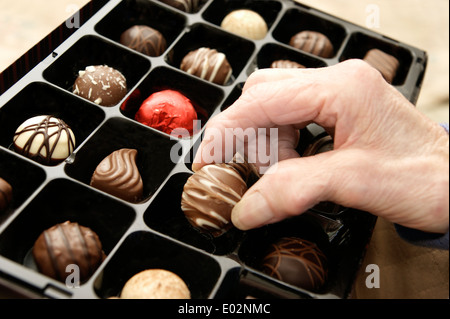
(189, 6)
(118, 175)
(167, 111)
(286, 64)
(209, 196)
(101, 84)
(144, 39)
(246, 23)
(5, 194)
(45, 139)
(383, 62)
(208, 64)
(313, 42)
(297, 262)
(66, 244)
(155, 284)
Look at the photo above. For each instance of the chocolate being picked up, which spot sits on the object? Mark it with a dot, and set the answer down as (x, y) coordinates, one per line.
(286, 64)
(101, 84)
(313, 42)
(5, 194)
(118, 175)
(66, 244)
(385, 63)
(246, 23)
(144, 39)
(208, 64)
(297, 262)
(45, 139)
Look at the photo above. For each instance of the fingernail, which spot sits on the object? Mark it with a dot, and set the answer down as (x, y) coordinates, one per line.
(251, 212)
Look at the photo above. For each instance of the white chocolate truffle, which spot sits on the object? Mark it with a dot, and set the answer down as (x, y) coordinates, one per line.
(245, 23)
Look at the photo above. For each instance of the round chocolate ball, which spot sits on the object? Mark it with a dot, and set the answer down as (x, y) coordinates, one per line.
(208, 64)
(297, 262)
(246, 23)
(45, 139)
(313, 42)
(144, 39)
(155, 284)
(68, 244)
(5, 194)
(101, 84)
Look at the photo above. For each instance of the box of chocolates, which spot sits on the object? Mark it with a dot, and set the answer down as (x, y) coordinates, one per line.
(97, 194)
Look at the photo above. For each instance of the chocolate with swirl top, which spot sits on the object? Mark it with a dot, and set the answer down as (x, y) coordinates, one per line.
(297, 262)
(5, 194)
(189, 6)
(208, 64)
(65, 244)
(118, 175)
(313, 42)
(209, 196)
(144, 39)
(45, 139)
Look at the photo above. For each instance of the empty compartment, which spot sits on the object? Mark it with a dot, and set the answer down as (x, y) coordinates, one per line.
(154, 159)
(57, 203)
(166, 216)
(297, 20)
(359, 44)
(237, 50)
(144, 250)
(92, 50)
(39, 98)
(130, 13)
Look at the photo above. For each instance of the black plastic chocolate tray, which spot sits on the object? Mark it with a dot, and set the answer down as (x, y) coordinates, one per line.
(154, 233)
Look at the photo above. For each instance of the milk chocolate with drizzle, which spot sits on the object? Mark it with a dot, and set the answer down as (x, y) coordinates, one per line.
(65, 244)
(286, 64)
(144, 39)
(5, 194)
(45, 139)
(297, 262)
(208, 64)
(313, 42)
(385, 63)
(118, 175)
(189, 6)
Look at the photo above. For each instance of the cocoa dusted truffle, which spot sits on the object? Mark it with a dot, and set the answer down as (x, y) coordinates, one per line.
(167, 111)
(210, 194)
(385, 63)
(246, 23)
(297, 262)
(144, 39)
(45, 139)
(286, 64)
(5, 194)
(66, 244)
(101, 84)
(313, 42)
(155, 284)
(189, 6)
(208, 64)
(118, 175)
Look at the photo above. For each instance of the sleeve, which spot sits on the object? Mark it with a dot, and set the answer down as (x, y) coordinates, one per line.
(421, 238)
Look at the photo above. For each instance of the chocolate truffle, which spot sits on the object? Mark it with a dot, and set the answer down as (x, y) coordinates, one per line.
(286, 64)
(208, 64)
(166, 111)
(209, 196)
(144, 39)
(313, 42)
(65, 244)
(45, 139)
(246, 23)
(385, 63)
(297, 262)
(189, 6)
(118, 175)
(321, 145)
(101, 84)
(5, 194)
(155, 284)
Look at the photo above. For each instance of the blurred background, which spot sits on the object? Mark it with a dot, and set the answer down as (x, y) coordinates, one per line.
(406, 271)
